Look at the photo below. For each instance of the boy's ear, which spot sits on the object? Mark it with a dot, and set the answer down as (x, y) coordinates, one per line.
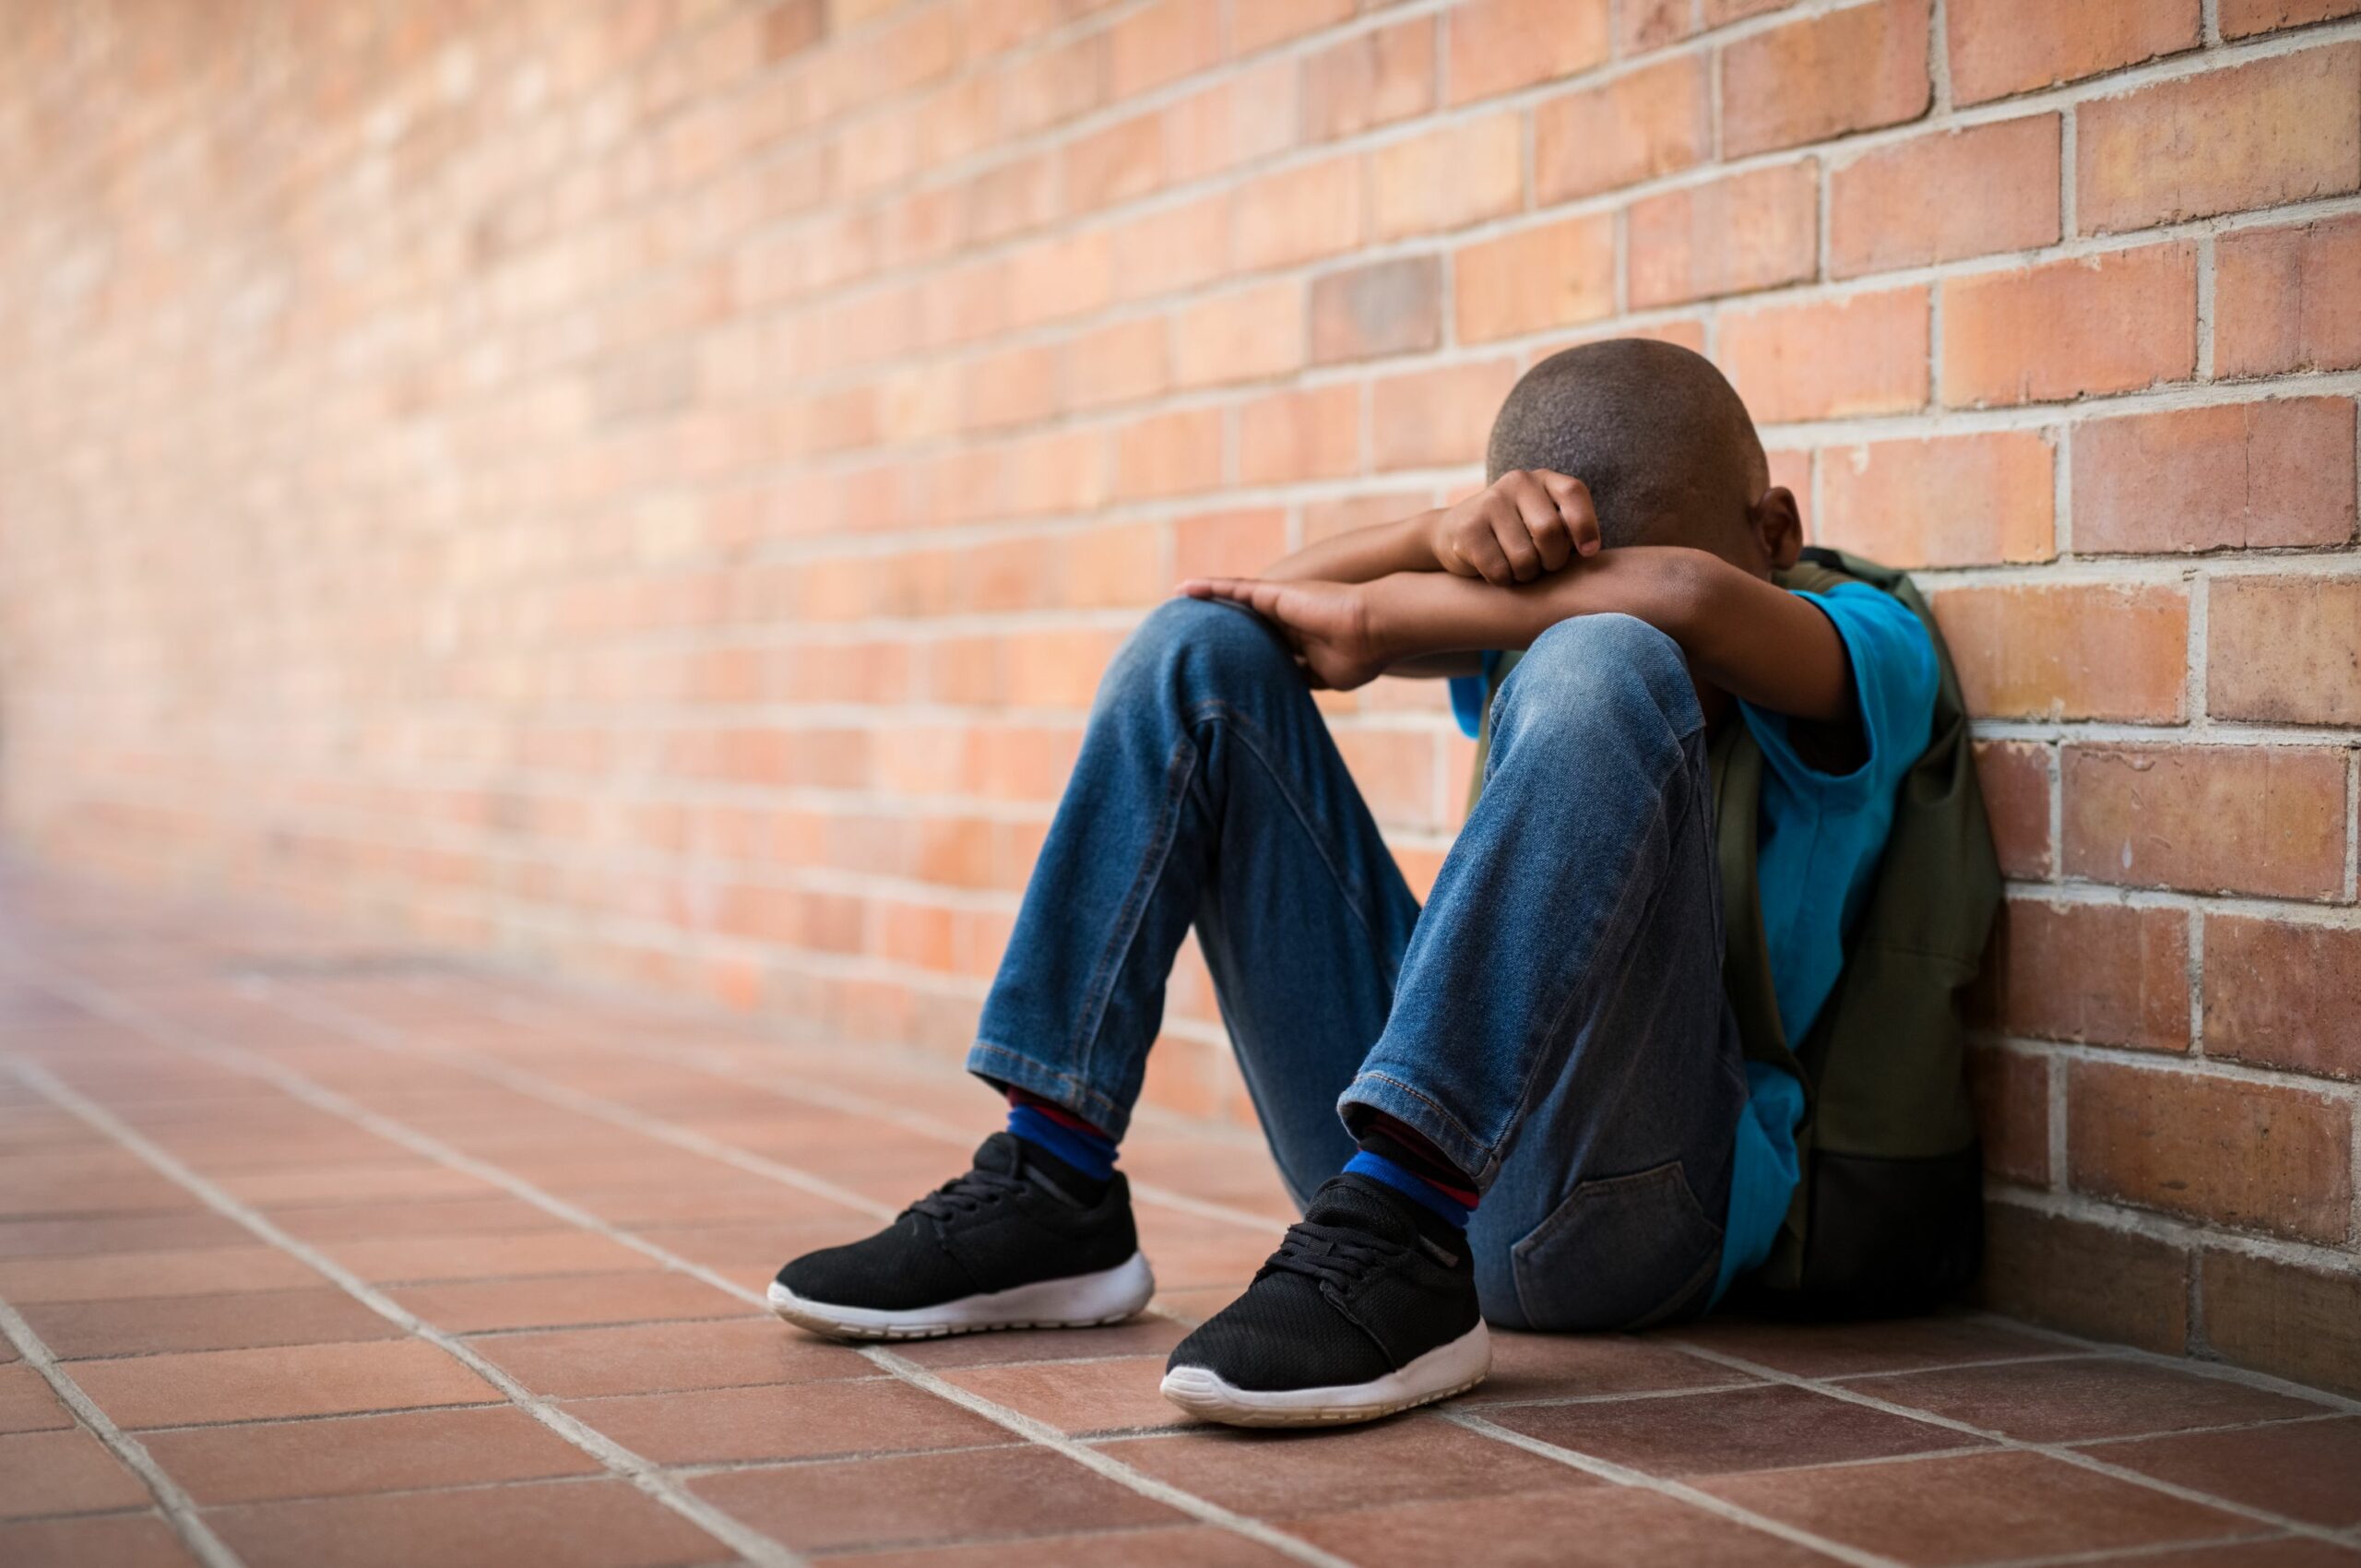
(1778, 527)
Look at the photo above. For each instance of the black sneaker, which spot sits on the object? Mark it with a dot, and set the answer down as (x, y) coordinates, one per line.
(1368, 1307)
(1011, 1244)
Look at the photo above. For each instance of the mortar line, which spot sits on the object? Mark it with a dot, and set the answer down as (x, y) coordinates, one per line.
(619, 1461)
(179, 1509)
(759, 1547)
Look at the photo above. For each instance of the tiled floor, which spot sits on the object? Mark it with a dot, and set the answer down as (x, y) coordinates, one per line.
(312, 1254)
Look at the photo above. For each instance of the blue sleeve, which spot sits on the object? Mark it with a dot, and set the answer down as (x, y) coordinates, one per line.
(1894, 677)
(1470, 693)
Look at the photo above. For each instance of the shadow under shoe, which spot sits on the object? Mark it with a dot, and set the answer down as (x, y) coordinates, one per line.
(1011, 1244)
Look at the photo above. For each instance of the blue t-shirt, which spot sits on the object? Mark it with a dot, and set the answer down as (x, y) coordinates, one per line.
(1816, 856)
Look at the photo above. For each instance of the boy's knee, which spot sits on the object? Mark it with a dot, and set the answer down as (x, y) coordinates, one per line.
(1589, 668)
(1203, 638)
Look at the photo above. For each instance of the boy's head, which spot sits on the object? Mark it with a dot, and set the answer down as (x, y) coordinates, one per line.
(1663, 443)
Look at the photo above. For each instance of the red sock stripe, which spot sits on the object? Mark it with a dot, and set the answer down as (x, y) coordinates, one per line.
(1055, 1112)
(1417, 1143)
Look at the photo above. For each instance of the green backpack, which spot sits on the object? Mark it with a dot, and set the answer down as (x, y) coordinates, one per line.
(1887, 1213)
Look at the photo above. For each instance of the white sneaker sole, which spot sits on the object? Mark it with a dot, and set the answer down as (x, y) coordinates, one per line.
(1081, 1301)
(1442, 1371)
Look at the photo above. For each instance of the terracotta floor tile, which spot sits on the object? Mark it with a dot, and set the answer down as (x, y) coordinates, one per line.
(1187, 1250)
(786, 1421)
(751, 1254)
(1142, 1335)
(1279, 1474)
(429, 1259)
(284, 1381)
(1975, 1508)
(120, 1541)
(2283, 1552)
(77, 1330)
(1747, 1429)
(27, 1402)
(1601, 1526)
(924, 1499)
(393, 1182)
(601, 1524)
(567, 1300)
(650, 1358)
(403, 1451)
(2308, 1470)
(2101, 1396)
(1187, 1546)
(1560, 1366)
(1195, 1304)
(733, 1198)
(499, 1214)
(120, 1233)
(1848, 1350)
(62, 1472)
(1080, 1398)
(124, 1275)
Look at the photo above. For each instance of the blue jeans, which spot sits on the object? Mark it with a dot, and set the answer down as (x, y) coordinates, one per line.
(1554, 1020)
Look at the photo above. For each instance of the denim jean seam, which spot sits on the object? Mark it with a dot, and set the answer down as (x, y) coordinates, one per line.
(1457, 1128)
(1525, 1089)
(1113, 1114)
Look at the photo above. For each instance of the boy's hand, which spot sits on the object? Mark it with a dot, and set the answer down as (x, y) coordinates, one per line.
(1522, 526)
(1326, 624)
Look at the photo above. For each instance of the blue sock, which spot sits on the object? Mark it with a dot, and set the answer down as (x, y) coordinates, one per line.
(1443, 1201)
(1064, 1133)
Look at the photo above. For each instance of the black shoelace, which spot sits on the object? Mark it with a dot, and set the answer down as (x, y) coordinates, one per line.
(1338, 1254)
(966, 1194)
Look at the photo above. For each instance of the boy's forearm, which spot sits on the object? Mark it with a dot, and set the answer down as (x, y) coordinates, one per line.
(1362, 554)
(1750, 638)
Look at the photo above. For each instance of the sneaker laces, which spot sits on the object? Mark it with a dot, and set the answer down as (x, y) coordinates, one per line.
(966, 1194)
(1341, 1255)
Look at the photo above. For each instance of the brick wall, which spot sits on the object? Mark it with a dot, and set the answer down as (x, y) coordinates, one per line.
(645, 487)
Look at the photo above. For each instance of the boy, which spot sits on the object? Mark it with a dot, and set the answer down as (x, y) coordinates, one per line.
(1526, 1103)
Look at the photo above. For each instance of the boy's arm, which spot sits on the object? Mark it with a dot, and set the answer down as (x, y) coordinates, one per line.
(1741, 633)
(1520, 527)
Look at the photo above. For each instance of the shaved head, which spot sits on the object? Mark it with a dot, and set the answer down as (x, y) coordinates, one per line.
(1659, 434)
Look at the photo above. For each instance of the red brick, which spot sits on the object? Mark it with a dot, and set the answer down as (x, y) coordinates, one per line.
(1169, 454)
(1643, 124)
(1998, 47)
(1496, 46)
(1247, 334)
(2243, 19)
(1821, 77)
(1161, 42)
(2278, 472)
(2283, 299)
(2111, 323)
(1372, 79)
(1239, 118)
(1536, 279)
(1943, 501)
(2107, 974)
(2295, 1322)
(2286, 650)
(1945, 195)
(2283, 994)
(1124, 161)
(2223, 1150)
(2015, 779)
(2279, 130)
(2070, 652)
(1119, 362)
(1436, 417)
(1312, 209)
(2086, 1279)
(2011, 1093)
(1645, 25)
(1224, 545)
(1291, 436)
(1376, 309)
(1276, 21)
(1449, 177)
(1735, 234)
(2268, 820)
(1828, 359)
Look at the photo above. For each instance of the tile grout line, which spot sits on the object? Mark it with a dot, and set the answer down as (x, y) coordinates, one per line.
(2047, 1450)
(304, 1090)
(619, 1461)
(179, 1509)
(1704, 1502)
